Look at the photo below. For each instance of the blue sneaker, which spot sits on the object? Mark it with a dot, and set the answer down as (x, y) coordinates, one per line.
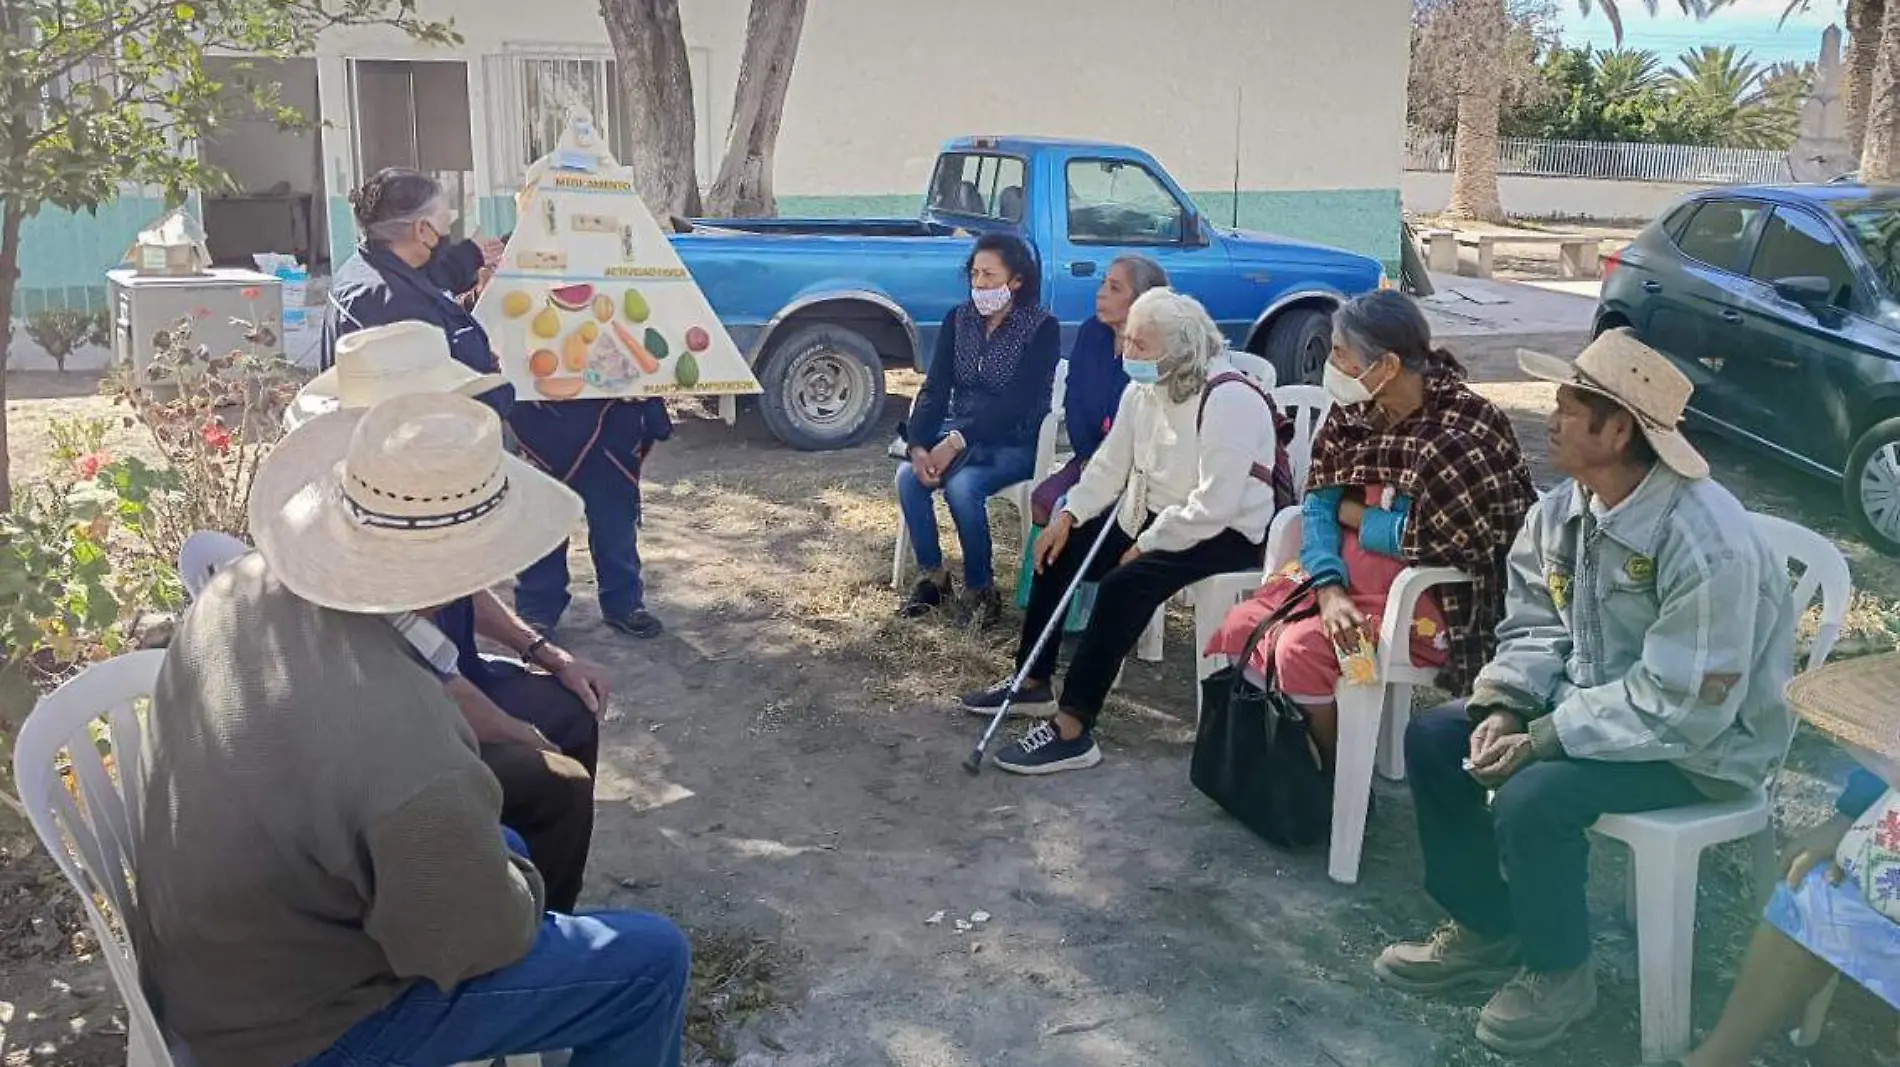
(1043, 751)
(1040, 701)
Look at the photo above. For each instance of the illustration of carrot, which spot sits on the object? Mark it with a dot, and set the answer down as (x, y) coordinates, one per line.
(641, 356)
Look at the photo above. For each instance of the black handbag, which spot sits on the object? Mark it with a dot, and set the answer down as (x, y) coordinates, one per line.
(1253, 752)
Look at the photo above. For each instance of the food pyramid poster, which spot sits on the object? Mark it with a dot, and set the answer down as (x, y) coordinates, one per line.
(590, 300)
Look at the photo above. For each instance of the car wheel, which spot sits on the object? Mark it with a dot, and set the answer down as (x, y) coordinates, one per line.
(1298, 343)
(1872, 486)
(824, 388)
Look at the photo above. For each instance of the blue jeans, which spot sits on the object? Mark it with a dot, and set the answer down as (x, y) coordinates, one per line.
(613, 513)
(967, 492)
(610, 985)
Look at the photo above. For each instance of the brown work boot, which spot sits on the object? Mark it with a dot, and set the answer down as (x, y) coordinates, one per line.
(1452, 958)
(1534, 1010)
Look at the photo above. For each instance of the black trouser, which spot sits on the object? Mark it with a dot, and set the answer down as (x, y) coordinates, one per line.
(1125, 600)
(1521, 863)
(547, 798)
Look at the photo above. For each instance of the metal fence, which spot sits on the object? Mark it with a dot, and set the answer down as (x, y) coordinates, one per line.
(1616, 161)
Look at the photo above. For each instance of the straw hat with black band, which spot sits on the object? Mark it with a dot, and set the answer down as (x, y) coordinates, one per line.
(1856, 701)
(377, 363)
(404, 506)
(1641, 380)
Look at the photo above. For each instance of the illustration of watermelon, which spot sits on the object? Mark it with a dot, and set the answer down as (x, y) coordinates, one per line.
(572, 297)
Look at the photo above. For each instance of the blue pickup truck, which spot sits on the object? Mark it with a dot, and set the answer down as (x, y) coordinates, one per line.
(819, 305)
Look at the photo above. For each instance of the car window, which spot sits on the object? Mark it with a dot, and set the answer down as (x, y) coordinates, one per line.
(970, 183)
(1718, 233)
(1795, 244)
(1677, 219)
(1112, 201)
(1875, 226)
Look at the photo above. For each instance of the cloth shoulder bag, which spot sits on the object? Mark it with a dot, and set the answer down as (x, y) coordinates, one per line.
(1253, 752)
(1870, 854)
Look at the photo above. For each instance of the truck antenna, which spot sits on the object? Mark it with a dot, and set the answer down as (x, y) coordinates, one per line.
(1240, 90)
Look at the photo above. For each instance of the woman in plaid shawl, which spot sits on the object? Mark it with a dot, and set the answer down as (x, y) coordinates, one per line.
(1411, 467)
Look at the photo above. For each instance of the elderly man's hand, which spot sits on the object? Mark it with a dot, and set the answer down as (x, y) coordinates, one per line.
(1504, 758)
(1050, 542)
(943, 455)
(1497, 725)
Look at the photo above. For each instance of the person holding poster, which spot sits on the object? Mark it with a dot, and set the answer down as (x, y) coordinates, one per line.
(407, 268)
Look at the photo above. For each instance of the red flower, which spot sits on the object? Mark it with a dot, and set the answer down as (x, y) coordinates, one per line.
(87, 467)
(249, 293)
(215, 436)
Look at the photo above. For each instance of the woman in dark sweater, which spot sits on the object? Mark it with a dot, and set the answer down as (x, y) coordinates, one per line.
(973, 430)
(1093, 389)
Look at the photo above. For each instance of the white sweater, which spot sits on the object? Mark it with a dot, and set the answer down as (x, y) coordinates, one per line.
(1197, 482)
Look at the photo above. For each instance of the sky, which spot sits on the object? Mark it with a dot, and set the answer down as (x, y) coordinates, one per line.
(1748, 24)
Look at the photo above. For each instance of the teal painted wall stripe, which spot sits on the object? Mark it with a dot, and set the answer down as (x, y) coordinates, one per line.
(64, 255)
(342, 231)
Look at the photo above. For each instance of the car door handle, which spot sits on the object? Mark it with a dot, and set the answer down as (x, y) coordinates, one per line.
(1731, 316)
(1652, 286)
(1082, 268)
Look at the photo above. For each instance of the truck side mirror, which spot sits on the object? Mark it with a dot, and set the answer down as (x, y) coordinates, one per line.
(1192, 233)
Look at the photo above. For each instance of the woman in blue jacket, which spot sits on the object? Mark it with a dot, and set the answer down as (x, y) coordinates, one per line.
(407, 267)
(973, 429)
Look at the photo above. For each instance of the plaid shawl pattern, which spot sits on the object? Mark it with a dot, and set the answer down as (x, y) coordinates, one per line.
(1458, 460)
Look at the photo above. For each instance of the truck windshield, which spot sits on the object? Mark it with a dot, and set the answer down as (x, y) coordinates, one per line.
(1875, 226)
(969, 183)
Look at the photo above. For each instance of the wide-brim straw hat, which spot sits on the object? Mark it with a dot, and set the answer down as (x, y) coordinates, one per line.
(1641, 380)
(404, 506)
(1856, 701)
(379, 362)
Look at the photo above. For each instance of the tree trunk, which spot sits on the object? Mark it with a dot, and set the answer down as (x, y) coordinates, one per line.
(1474, 166)
(657, 84)
(744, 185)
(1880, 158)
(1863, 50)
(11, 216)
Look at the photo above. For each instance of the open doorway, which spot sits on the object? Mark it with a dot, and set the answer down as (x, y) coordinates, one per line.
(276, 204)
(415, 113)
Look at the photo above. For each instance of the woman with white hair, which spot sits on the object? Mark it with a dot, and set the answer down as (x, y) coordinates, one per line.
(1196, 446)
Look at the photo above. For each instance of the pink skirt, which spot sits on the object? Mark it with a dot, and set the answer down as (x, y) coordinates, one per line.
(1304, 662)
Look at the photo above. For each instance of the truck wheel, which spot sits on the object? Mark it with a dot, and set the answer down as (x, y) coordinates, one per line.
(1872, 486)
(824, 388)
(1298, 343)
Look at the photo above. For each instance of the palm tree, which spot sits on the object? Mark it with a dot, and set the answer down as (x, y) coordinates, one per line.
(1880, 155)
(1749, 105)
(1474, 179)
(1625, 73)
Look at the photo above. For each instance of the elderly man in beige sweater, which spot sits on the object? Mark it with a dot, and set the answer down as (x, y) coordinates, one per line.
(322, 873)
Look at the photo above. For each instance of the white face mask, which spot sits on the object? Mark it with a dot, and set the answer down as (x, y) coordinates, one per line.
(990, 301)
(1344, 387)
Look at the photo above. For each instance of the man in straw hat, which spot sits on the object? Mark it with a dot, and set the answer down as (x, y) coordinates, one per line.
(322, 874)
(1837, 910)
(1648, 633)
(539, 730)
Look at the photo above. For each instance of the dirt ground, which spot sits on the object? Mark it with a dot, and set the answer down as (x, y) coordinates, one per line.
(780, 775)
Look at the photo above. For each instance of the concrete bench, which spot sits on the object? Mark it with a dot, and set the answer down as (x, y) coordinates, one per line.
(1471, 254)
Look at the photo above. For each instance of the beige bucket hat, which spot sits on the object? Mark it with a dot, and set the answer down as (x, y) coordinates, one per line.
(377, 363)
(404, 506)
(1639, 378)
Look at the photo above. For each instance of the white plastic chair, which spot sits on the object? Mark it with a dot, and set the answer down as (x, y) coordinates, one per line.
(93, 838)
(1666, 846)
(1372, 718)
(1017, 493)
(203, 555)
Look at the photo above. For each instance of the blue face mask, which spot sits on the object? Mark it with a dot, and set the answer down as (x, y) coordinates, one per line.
(1141, 371)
